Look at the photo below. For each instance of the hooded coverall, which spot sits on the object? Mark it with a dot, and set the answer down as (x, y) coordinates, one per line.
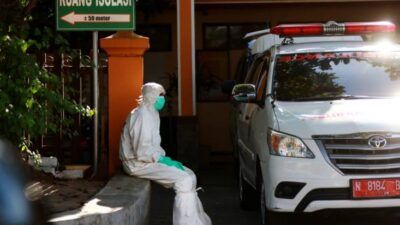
(140, 151)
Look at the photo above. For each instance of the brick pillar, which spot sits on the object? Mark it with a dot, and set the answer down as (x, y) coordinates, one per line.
(125, 51)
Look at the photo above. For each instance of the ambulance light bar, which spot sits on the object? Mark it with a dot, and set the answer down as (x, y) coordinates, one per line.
(333, 28)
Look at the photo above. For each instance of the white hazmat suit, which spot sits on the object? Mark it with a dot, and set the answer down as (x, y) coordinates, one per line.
(140, 151)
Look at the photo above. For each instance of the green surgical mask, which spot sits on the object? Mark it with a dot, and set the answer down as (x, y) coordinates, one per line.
(160, 102)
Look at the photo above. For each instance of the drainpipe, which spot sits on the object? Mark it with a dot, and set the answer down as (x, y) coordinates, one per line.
(96, 103)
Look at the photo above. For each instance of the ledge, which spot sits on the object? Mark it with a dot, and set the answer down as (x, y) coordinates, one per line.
(124, 200)
(125, 44)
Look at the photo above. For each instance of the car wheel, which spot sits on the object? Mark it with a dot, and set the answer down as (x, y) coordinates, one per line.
(247, 194)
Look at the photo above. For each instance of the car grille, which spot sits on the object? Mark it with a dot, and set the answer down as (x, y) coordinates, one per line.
(351, 154)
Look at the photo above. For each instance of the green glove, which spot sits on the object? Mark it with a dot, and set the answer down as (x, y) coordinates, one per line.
(169, 162)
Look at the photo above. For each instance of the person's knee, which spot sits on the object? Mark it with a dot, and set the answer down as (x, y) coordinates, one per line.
(186, 183)
(127, 169)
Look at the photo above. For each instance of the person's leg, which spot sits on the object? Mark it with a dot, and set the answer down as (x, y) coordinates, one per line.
(188, 209)
(167, 176)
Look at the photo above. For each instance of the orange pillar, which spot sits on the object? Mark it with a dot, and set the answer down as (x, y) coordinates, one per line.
(125, 51)
(186, 58)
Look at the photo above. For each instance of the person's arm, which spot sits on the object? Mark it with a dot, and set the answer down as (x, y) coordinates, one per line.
(163, 159)
(141, 140)
(157, 143)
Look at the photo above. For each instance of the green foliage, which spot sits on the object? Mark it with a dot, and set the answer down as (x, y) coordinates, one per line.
(31, 99)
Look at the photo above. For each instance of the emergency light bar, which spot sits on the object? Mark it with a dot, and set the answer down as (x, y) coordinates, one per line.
(333, 28)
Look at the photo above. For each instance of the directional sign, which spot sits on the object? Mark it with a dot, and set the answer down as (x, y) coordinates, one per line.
(95, 15)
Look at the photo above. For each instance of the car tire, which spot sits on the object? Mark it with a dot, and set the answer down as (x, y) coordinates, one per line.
(247, 194)
(268, 217)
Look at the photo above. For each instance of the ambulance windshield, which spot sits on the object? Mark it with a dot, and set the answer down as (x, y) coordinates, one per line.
(343, 75)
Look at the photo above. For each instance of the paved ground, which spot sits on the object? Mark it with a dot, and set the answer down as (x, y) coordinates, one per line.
(221, 203)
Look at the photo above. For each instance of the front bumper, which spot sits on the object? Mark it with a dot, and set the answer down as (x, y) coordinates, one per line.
(325, 187)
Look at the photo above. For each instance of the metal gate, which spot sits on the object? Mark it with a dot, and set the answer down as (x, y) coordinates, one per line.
(74, 144)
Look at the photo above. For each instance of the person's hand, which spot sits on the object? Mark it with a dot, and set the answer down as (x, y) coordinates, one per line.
(178, 165)
(169, 162)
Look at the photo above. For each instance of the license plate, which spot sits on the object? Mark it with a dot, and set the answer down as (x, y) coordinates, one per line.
(376, 188)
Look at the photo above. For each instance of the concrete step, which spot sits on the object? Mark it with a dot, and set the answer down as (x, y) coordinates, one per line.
(76, 171)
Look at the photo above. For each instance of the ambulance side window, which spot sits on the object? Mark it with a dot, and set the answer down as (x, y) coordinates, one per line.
(252, 75)
(262, 81)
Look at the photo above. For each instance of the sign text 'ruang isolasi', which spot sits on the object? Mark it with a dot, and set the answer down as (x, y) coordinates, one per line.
(95, 15)
(88, 3)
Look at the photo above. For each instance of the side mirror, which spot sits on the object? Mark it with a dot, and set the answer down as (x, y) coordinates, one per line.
(227, 86)
(245, 93)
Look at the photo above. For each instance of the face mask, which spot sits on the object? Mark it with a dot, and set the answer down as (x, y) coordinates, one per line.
(160, 102)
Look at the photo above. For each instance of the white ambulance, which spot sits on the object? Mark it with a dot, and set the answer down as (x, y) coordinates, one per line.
(318, 119)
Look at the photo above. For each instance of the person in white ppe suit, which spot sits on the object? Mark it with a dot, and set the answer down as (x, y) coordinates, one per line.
(142, 156)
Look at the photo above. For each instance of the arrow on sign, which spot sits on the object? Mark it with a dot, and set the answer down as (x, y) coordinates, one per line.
(73, 18)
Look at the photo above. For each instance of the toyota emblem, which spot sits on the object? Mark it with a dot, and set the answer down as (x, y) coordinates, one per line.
(377, 142)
